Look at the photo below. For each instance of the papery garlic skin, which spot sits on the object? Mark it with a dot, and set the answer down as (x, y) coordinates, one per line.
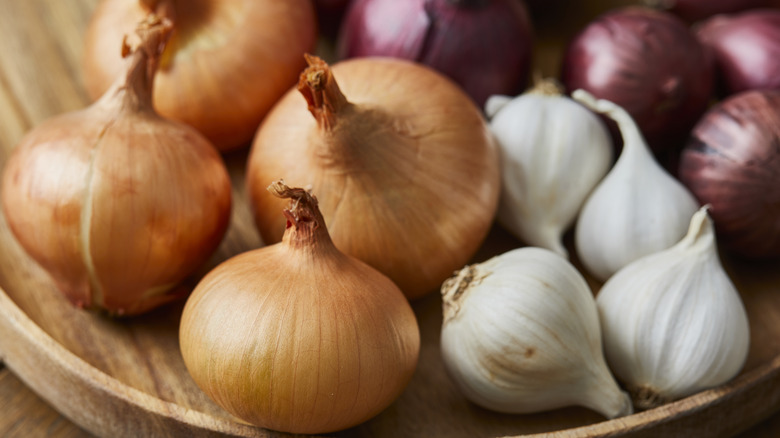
(521, 334)
(636, 210)
(673, 322)
(553, 153)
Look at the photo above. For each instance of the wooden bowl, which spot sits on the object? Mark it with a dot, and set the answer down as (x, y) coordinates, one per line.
(126, 377)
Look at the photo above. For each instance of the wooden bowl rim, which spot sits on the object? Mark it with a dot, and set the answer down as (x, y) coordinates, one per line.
(80, 369)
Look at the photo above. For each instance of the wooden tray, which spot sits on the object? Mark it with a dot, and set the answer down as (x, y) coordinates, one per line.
(127, 378)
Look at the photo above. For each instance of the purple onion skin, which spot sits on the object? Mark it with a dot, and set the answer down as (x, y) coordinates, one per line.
(649, 63)
(485, 46)
(746, 48)
(732, 162)
(695, 10)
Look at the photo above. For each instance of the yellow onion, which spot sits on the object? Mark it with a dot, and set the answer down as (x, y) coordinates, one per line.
(406, 169)
(297, 336)
(227, 63)
(118, 204)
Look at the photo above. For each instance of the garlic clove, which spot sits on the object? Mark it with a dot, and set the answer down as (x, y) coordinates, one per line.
(496, 103)
(636, 210)
(553, 153)
(521, 335)
(673, 322)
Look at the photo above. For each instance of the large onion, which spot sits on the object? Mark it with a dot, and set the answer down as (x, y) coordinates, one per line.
(647, 62)
(746, 47)
(484, 46)
(732, 162)
(227, 63)
(299, 337)
(116, 203)
(406, 170)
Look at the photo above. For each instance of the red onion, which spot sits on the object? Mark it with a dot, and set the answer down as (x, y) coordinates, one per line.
(647, 62)
(732, 162)
(694, 10)
(746, 48)
(483, 45)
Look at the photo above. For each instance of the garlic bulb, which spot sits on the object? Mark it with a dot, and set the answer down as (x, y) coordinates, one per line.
(673, 322)
(636, 210)
(553, 153)
(521, 334)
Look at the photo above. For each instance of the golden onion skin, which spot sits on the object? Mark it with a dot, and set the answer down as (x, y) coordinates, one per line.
(299, 338)
(227, 63)
(117, 204)
(407, 175)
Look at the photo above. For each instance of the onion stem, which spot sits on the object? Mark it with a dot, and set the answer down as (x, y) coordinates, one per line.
(321, 91)
(303, 215)
(135, 88)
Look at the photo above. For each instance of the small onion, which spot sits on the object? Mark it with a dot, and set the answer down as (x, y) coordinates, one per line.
(405, 164)
(695, 10)
(117, 203)
(746, 48)
(647, 62)
(227, 63)
(299, 337)
(732, 162)
(483, 45)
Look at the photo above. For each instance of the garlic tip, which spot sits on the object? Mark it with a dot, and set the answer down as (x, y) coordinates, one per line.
(495, 104)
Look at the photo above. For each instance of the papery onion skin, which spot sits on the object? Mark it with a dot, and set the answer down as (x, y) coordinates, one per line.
(746, 48)
(484, 46)
(407, 170)
(299, 337)
(650, 64)
(732, 162)
(117, 204)
(695, 10)
(228, 62)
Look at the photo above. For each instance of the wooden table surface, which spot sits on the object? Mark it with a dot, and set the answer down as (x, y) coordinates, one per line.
(22, 412)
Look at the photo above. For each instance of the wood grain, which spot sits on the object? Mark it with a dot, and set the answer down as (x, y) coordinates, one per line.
(125, 377)
(25, 415)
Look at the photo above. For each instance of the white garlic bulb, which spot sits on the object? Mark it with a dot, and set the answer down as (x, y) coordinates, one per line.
(521, 334)
(636, 210)
(553, 153)
(673, 323)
